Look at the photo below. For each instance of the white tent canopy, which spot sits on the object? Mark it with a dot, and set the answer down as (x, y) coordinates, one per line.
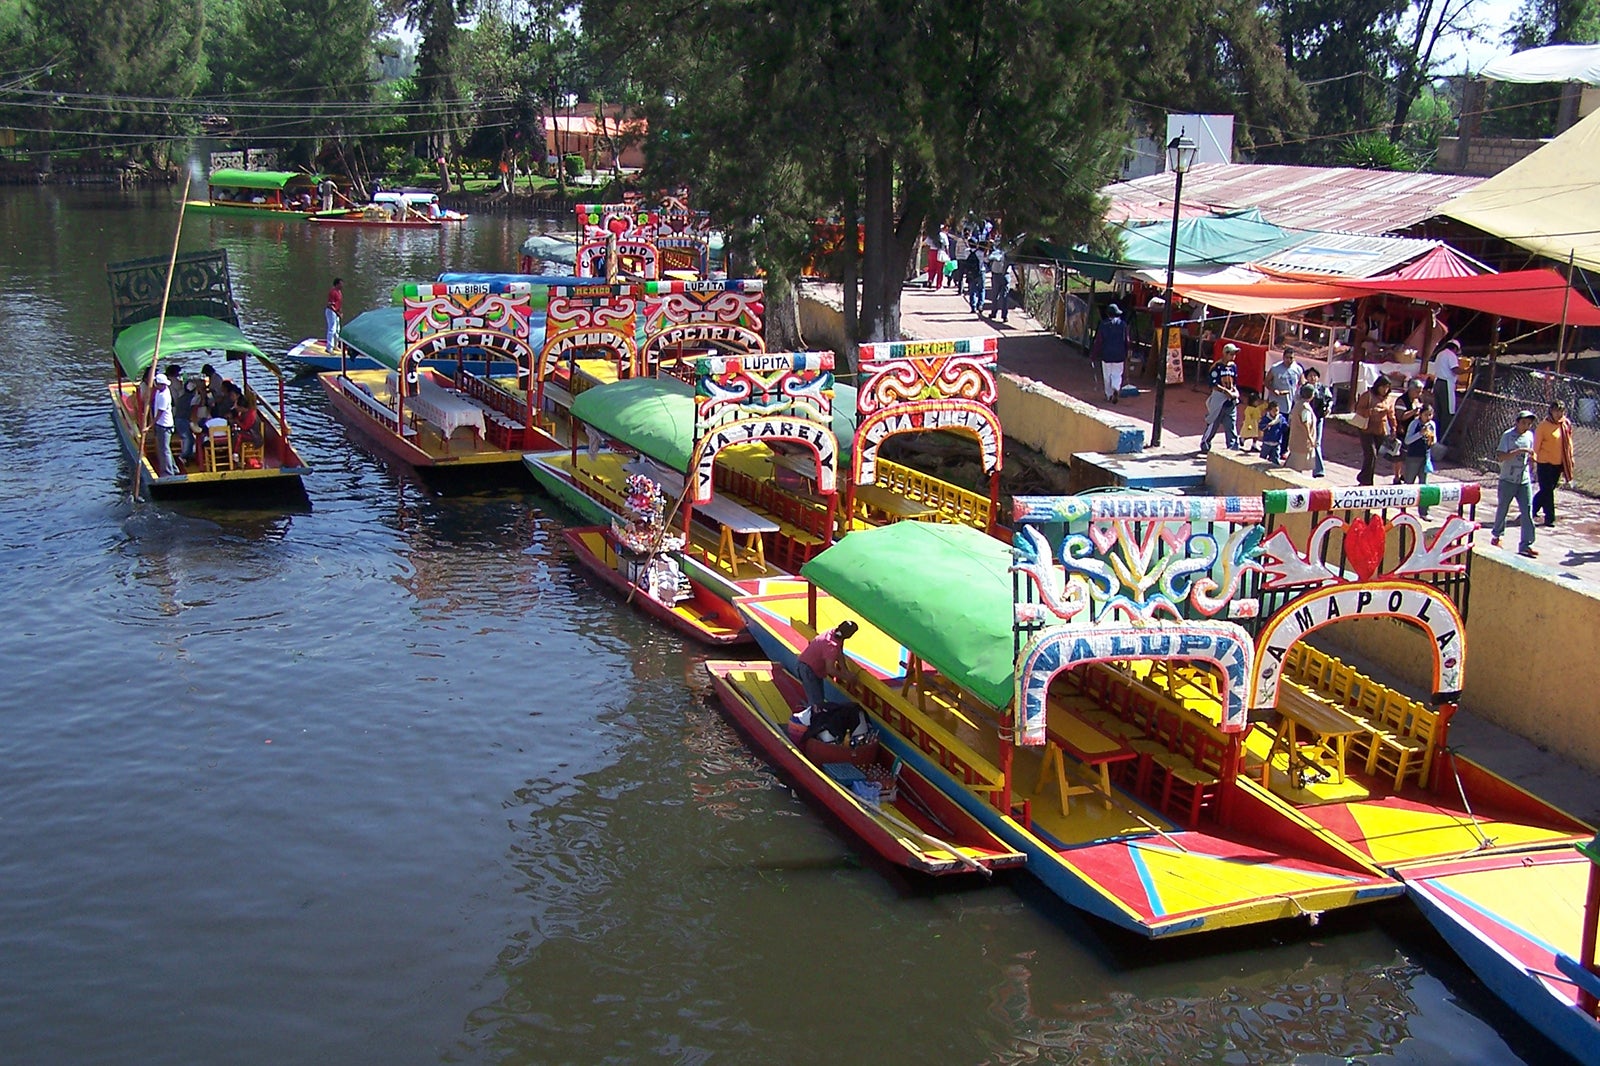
(1553, 63)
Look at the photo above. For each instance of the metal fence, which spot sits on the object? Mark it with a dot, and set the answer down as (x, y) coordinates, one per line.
(1488, 412)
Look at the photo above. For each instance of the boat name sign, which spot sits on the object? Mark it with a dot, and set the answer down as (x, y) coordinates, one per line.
(752, 430)
(973, 418)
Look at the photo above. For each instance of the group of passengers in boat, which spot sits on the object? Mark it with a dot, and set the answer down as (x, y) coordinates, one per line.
(197, 403)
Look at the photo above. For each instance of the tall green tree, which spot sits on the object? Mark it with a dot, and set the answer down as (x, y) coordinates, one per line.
(901, 112)
(304, 69)
(439, 123)
(1344, 51)
(95, 55)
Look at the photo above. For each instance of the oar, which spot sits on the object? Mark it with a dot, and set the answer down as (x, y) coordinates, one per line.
(155, 356)
(929, 838)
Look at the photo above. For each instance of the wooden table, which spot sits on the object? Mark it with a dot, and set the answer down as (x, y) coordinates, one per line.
(1068, 734)
(1327, 732)
(740, 530)
(892, 505)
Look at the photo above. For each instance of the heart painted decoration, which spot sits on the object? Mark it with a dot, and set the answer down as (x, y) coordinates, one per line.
(618, 224)
(1363, 544)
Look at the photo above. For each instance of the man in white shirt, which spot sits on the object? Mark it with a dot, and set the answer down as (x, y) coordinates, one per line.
(161, 408)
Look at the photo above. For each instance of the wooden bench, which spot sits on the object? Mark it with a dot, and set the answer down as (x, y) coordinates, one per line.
(375, 408)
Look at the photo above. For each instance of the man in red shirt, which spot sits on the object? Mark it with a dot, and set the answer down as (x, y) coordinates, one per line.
(334, 309)
(823, 657)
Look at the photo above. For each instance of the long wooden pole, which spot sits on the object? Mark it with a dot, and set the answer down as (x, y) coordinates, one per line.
(1561, 338)
(155, 356)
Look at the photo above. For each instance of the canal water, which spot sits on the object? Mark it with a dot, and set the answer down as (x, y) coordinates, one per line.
(388, 780)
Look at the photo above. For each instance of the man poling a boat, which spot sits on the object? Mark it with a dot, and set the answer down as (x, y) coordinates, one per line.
(822, 659)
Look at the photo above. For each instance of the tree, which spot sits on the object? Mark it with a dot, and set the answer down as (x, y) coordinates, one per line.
(1432, 24)
(438, 68)
(307, 67)
(1236, 66)
(98, 53)
(912, 111)
(1344, 51)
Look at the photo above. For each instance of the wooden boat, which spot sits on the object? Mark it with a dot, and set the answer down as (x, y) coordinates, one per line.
(460, 432)
(935, 648)
(227, 465)
(694, 610)
(912, 824)
(279, 194)
(413, 203)
(376, 219)
(375, 340)
(1525, 924)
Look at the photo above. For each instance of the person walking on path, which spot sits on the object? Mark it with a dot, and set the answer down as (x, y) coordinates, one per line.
(961, 245)
(1321, 405)
(974, 267)
(1407, 406)
(1284, 379)
(332, 312)
(1222, 405)
(1000, 283)
(1416, 450)
(934, 250)
(1552, 457)
(1110, 350)
(1375, 416)
(1515, 453)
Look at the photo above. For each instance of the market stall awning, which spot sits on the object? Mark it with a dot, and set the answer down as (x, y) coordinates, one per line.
(1080, 260)
(1212, 241)
(1552, 63)
(1526, 295)
(1548, 202)
(1442, 262)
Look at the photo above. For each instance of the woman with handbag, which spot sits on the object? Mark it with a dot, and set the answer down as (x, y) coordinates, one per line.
(1375, 416)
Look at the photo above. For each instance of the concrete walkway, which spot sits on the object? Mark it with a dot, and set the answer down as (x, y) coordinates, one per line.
(1570, 549)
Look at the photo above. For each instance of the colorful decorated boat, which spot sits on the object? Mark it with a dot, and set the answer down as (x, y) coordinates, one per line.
(1154, 645)
(646, 572)
(888, 806)
(280, 194)
(201, 325)
(689, 440)
(934, 604)
(457, 432)
(376, 340)
(376, 218)
(414, 203)
(1526, 925)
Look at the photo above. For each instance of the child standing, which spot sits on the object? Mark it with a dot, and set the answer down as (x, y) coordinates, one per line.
(1274, 434)
(1250, 423)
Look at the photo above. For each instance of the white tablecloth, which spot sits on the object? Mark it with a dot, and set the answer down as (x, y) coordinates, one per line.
(442, 408)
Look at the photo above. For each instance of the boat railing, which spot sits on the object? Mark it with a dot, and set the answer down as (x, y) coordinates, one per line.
(955, 505)
(374, 408)
(931, 738)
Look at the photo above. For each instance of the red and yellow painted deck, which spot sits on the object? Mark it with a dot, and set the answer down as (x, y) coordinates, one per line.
(1126, 862)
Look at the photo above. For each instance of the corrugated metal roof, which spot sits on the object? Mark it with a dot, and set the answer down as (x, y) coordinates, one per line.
(1314, 198)
(1349, 255)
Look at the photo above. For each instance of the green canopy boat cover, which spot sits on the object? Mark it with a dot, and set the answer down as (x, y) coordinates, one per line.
(379, 333)
(256, 179)
(942, 591)
(136, 345)
(656, 417)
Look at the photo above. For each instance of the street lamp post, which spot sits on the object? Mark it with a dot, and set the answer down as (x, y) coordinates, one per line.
(1180, 157)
